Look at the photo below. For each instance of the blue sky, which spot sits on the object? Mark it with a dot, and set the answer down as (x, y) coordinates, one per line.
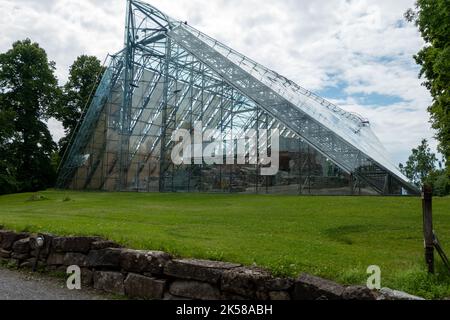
(356, 53)
(374, 99)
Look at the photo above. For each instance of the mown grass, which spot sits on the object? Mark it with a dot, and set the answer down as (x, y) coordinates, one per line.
(333, 237)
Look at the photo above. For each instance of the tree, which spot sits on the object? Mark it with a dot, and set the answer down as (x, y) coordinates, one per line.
(28, 95)
(421, 169)
(8, 182)
(420, 165)
(440, 183)
(85, 75)
(432, 17)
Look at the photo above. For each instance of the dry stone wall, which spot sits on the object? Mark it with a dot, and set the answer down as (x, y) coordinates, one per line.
(157, 275)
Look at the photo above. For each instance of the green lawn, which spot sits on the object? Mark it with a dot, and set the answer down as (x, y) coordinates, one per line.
(333, 237)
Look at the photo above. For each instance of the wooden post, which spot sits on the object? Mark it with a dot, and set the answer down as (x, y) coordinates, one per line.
(427, 196)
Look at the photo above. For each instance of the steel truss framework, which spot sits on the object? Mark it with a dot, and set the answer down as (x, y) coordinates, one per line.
(169, 76)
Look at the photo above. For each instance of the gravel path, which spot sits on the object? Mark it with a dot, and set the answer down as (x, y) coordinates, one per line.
(18, 285)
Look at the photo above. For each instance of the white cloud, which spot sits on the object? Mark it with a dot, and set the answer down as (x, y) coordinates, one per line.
(56, 129)
(361, 45)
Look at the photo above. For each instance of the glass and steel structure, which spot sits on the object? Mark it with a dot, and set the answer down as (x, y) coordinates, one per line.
(170, 76)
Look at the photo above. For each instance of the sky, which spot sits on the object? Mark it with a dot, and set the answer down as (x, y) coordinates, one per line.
(355, 53)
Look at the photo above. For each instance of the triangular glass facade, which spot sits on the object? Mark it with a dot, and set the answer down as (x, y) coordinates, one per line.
(170, 76)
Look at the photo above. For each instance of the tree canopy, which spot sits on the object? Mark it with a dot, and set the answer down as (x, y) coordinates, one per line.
(29, 95)
(432, 17)
(421, 169)
(420, 164)
(84, 77)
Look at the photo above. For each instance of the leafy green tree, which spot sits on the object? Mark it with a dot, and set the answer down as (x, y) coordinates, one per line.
(85, 75)
(420, 165)
(8, 182)
(440, 183)
(432, 17)
(28, 95)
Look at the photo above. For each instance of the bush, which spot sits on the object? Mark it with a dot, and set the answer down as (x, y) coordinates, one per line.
(441, 186)
(8, 184)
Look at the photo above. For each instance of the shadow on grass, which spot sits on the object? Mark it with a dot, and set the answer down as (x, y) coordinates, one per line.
(341, 234)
